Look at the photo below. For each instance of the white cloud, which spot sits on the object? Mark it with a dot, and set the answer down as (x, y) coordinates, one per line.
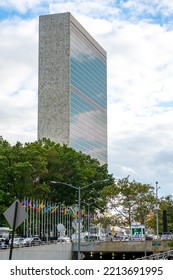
(18, 79)
(140, 90)
(145, 7)
(19, 117)
(21, 6)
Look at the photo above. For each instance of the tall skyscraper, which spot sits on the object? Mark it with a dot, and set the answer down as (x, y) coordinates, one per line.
(72, 94)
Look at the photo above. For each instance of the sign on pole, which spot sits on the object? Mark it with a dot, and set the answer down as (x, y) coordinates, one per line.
(21, 214)
(20, 217)
(15, 215)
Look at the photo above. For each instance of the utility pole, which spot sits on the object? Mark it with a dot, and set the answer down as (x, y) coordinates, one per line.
(157, 211)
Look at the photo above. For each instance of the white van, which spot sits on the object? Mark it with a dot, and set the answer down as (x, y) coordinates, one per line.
(5, 232)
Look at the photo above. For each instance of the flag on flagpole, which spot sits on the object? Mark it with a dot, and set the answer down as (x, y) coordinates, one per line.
(41, 205)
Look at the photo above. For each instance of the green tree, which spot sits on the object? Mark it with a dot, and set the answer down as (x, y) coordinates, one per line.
(75, 168)
(130, 201)
(27, 170)
(19, 169)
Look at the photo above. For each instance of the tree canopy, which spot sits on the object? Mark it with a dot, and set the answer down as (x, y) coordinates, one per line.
(129, 200)
(28, 169)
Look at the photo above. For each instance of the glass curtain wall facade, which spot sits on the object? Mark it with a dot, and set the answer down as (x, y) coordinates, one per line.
(88, 97)
(72, 86)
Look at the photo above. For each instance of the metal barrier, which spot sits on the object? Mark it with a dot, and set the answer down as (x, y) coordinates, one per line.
(160, 256)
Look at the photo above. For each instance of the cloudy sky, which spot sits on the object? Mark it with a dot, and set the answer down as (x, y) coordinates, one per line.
(138, 36)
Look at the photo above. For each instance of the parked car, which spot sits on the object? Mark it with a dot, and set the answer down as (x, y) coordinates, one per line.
(137, 237)
(3, 244)
(92, 237)
(105, 236)
(126, 238)
(31, 241)
(63, 239)
(166, 236)
(155, 237)
(117, 238)
(17, 242)
(149, 237)
(170, 257)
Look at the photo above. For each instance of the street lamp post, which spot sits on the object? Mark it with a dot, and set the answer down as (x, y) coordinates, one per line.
(79, 202)
(157, 209)
(145, 251)
(88, 205)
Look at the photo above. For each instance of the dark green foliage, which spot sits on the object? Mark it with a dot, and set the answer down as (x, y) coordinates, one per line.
(27, 171)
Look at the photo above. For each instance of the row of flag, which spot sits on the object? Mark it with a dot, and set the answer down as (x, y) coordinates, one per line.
(49, 207)
(43, 218)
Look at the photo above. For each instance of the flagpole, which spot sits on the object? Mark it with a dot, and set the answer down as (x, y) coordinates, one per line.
(42, 226)
(33, 224)
(30, 219)
(27, 222)
(47, 222)
(24, 226)
(36, 218)
(39, 220)
(55, 217)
